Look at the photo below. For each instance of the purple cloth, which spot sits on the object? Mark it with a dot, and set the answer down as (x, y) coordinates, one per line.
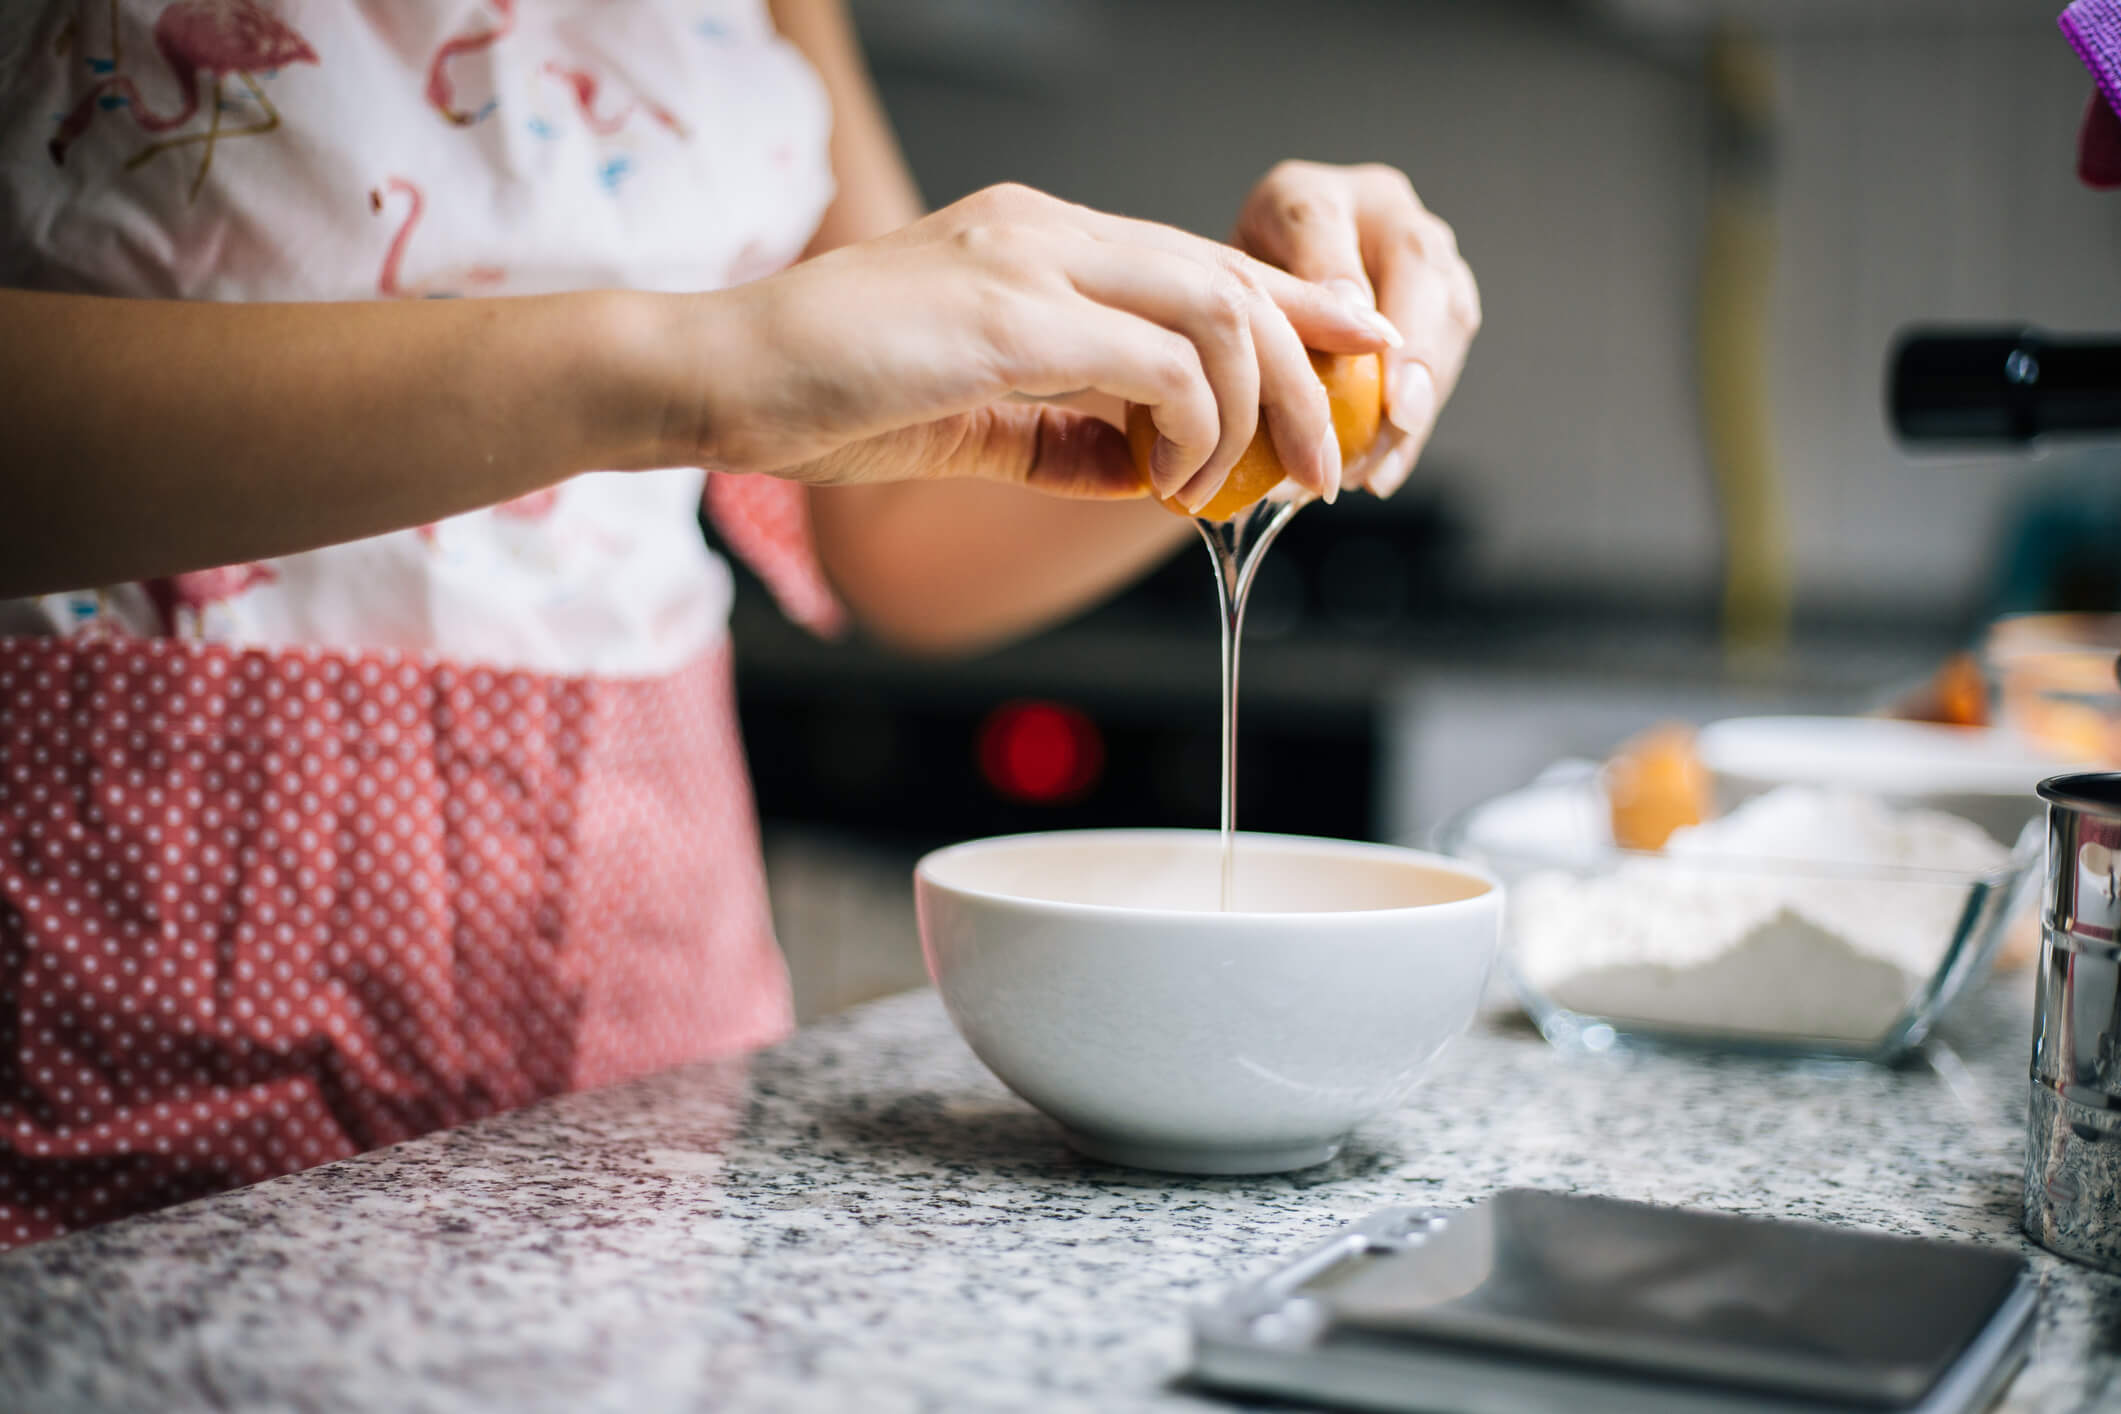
(2093, 29)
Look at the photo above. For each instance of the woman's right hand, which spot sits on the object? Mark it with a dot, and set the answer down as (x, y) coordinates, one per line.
(923, 354)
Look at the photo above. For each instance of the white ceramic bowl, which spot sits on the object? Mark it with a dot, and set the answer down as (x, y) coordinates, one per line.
(1095, 974)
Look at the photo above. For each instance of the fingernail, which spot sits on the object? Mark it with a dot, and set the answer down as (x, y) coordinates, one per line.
(1164, 467)
(1196, 490)
(1393, 473)
(1357, 301)
(1329, 465)
(1412, 401)
(1196, 494)
(1358, 473)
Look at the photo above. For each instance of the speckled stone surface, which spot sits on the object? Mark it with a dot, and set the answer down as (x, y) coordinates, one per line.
(863, 1219)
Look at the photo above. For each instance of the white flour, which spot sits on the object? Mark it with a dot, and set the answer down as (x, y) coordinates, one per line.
(1736, 947)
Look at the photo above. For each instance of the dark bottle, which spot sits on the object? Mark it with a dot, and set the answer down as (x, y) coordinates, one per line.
(1991, 385)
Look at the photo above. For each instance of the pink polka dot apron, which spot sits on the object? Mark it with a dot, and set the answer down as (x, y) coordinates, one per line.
(326, 851)
(265, 909)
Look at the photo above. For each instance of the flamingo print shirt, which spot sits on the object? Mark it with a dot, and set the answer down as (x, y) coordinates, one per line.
(418, 149)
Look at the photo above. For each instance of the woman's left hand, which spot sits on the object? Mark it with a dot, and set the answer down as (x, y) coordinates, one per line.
(1364, 231)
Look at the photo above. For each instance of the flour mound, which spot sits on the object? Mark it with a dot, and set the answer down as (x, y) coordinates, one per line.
(1714, 937)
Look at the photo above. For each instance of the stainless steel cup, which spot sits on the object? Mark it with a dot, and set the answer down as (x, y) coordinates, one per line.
(2073, 1145)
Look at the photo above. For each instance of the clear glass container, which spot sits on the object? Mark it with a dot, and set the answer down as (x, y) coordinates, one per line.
(1609, 947)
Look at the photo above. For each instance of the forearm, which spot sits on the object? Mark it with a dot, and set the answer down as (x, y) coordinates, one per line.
(147, 437)
(955, 566)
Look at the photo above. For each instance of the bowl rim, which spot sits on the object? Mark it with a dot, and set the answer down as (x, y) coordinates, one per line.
(1490, 895)
(1455, 835)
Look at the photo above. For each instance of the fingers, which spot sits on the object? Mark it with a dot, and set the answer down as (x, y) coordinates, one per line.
(1131, 356)
(1302, 218)
(1363, 231)
(1207, 339)
(1212, 307)
(1299, 416)
(1427, 290)
(1324, 319)
(1061, 452)
(1254, 360)
(1384, 468)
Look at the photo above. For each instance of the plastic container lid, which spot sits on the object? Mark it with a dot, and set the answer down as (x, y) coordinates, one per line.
(1878, 754)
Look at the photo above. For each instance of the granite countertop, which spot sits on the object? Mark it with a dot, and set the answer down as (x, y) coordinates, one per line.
(863, 1219)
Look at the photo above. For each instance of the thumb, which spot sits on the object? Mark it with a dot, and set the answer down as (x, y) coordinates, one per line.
(1059, 451)
(1055, 450)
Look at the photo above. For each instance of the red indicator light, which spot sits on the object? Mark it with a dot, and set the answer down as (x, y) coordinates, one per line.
(1042, 753)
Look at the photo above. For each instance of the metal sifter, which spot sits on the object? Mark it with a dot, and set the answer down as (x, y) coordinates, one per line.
(2073, 1146)
(1976, 386)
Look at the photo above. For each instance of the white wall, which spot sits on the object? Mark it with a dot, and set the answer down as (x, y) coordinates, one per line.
(1925, 172)
(1926, 175)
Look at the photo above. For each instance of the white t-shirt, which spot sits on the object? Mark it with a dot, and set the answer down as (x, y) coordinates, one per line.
(418, 149)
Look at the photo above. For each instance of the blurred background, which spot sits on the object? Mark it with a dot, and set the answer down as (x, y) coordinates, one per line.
(1665, 487)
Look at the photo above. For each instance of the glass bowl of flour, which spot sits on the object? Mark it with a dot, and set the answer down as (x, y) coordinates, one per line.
(1806, 920)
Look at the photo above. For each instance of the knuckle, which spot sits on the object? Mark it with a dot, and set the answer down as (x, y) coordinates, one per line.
(1298, 196)
(975, 207)
(1175, 371)
(1303, 210)
(1000, 245)
(1030, 202)
(1388, 179)
(1002, 199)
(1229, 297)
(1429, 238)
(1465, 304)
(1439, 234)
(1291, 171)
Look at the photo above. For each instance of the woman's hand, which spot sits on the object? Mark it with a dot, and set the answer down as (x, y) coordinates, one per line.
(1362, 230)
(922, 354)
